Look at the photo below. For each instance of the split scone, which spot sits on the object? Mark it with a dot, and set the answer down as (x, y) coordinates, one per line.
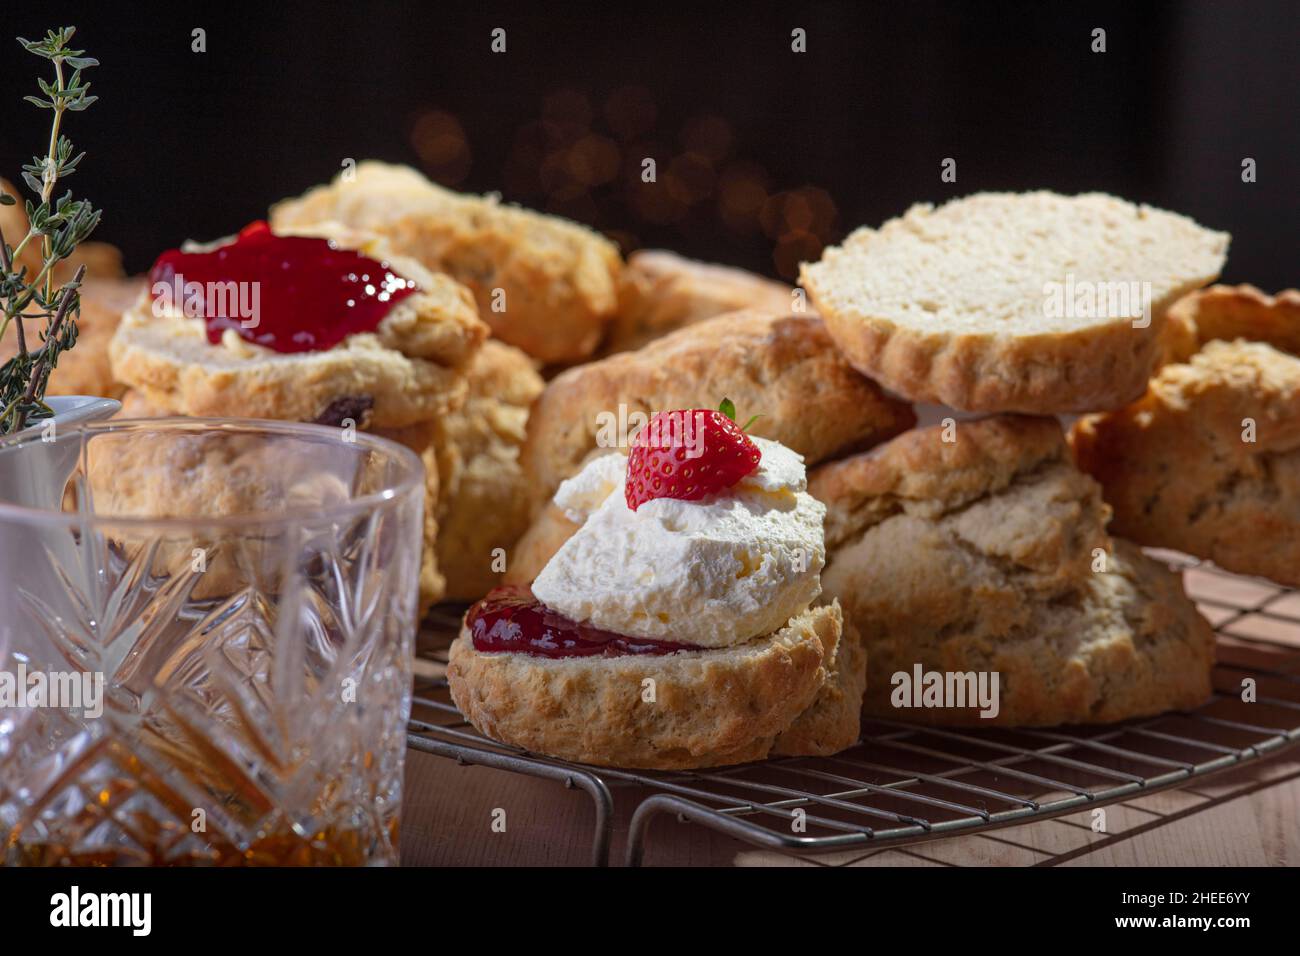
(998, 302)
(1208, 461)
(336, 331)
(782, 367)
(988, 554)
(483, 505)
(677, 627)
(660, 292)
(318, 325)
(544, 284)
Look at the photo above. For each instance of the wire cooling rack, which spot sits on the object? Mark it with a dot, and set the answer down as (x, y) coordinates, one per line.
(904, 784)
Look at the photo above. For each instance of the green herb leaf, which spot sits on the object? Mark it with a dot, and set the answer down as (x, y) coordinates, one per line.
(57, 227)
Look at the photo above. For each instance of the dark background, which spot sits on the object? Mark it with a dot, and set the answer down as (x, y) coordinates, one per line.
(763, 154)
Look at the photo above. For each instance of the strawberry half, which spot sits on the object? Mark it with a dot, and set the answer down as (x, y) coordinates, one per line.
(688, 454)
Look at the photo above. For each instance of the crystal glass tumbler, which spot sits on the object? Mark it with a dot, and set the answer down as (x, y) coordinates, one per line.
(206, 630)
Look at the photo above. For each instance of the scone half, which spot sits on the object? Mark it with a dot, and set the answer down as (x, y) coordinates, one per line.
(408, 370)
(709, 707)
(954, 305)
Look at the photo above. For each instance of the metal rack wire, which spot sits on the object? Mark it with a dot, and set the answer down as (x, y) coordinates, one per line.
(904, 784)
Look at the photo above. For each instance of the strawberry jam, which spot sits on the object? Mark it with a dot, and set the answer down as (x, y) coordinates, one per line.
(288, 293)
(511, 619)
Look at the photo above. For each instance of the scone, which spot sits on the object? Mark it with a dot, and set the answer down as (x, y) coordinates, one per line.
(544, 284)
(1208, 461)
(386, 349)
(660, 292)
(483, 505)
(989, 554)
(1231, 312)
(784, 368)
(1005, 302)
(213, 475)
(419, 438)
(670, 632)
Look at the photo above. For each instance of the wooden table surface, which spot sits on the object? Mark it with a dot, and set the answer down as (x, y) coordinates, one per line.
(1246, 816)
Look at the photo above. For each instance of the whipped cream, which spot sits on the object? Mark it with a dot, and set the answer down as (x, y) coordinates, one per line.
(714, 572)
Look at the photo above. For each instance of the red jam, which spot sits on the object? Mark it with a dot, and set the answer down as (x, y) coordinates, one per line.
(511, 619)
(290, 293)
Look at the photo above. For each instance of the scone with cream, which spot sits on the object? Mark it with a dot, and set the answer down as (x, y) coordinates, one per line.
(677, 627)
(784, 367)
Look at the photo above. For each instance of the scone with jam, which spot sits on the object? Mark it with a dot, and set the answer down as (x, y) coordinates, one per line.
(316, 325)
(677, 627)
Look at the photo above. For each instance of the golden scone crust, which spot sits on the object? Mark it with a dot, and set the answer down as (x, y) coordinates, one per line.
(85, 369)
(558, 278)
(784, 368)
(979, 555)
(1231, 312)
(833, 721)
(711, 708)
(407, 371)
(1208, 461)
(483, 505)
(660, 292)
(947, 305)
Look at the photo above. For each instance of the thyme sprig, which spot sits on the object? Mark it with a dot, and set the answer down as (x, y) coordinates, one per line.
(59, 225)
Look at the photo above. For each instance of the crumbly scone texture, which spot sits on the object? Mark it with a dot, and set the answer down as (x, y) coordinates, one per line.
(660, 292)
(711, 708)
(85, 369)
(556, 279)
(978, 555)
(484, 503)
(410, 369)
(948, 305)
(1184, 467)
(784, 368)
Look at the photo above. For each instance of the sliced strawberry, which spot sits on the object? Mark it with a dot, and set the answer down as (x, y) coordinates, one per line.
(688, 454)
